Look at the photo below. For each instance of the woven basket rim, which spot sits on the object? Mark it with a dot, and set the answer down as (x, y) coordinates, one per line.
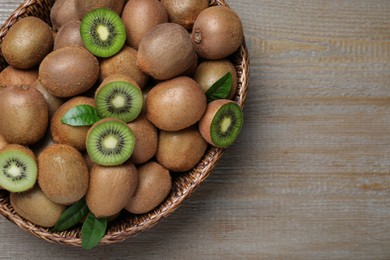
(183, 186)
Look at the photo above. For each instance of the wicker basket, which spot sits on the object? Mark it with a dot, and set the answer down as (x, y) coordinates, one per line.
(126, 225)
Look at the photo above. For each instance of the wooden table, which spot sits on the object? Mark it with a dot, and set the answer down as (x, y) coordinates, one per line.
(309, 177)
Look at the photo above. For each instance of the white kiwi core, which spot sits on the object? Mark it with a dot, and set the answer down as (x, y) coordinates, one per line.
(103, 32)
(14, 170)
(110, 142)
(225, 124)
(119, 101)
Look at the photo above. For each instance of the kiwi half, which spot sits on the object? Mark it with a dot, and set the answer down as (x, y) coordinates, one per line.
(222, 122)
(18, 168)
(110, 142)
(103, 32)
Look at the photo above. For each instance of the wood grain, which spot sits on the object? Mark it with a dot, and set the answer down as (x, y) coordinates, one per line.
(309, 177)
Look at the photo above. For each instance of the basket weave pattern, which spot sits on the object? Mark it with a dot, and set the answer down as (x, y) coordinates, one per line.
(127, 225)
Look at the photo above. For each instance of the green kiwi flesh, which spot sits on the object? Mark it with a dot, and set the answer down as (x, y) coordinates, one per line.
(119, 99)
(18, 168)
(103, 32)
(110, 142)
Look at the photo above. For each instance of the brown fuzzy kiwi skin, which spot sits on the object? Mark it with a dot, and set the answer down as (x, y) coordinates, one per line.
(78, 68)
(124, 62)
(175, 104)
(208, 72)
(117, 77)
(110, 188)
(166, 51)
(154, 185)
(53, 103)
(3, 142)
(74, 136)
(23, 115)
(180, 151)
(36, 44)
(63, 174)
(146, 137)
(217, 33)
(184, 12)
(34, 206)
(139, 16)
(13, 77)
(68, 35)
(62, 12)
(84, 6)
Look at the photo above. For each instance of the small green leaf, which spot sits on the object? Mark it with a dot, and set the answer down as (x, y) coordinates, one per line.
(71, 216)
(220, 89)
(92, 231)
(81, 115)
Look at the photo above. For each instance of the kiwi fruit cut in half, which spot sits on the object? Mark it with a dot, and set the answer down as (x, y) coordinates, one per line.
(110, 142)
(62, 12)
(103, 32)
(68, 35)
(222, 122)
(18, 167)
(13, 77)
(119, 98)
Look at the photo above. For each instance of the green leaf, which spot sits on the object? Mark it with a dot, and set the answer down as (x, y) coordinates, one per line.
(71, 216)
(92, 231)
(81, 115)
(220, 89)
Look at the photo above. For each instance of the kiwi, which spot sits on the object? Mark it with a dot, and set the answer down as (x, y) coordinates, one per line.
(3, 142)
(34, 206)
(217, 32)
(85, 6)
(208, 72)
(62, 12)
(110, 142)
(110, 188)
(103, 32)
(13, 77)
(63, 174)
(119, 97)
(74, 136)
(175, 104)
(36, 44)
(68, 35)
(124, 62)
(146, 140)
(139, 16)
(180, 151)
(18, 168)
(184, 12)
(23, 115)
(222, 122)
(165, 51)
(78, 68)
(154, 185)
(53, 103)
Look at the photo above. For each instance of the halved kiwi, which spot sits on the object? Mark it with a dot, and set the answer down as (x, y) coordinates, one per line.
(110, 142)
(18, 168)
(222, 122)
(103, 32)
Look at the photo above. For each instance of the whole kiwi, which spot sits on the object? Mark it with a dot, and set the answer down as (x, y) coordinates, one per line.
(74, 136)
(180, 151)
(63, 174)
(36, 43)
(68, 35)
(124, 62)
(62, 12)
(166, 51)
(53, 103)
(175, 104)
(13, 77)
(78, 68)
(146, 140)
(209, 72)
(154, 185)
(184, 12)
(34, 206)
(23, 115)
(217, 32)
(110, 188)
(139, 16)
(85, 6)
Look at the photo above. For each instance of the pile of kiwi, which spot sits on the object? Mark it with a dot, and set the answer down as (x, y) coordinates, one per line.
(112, 98)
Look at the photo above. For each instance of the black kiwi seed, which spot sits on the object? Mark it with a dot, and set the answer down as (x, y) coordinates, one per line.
(103, 32)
